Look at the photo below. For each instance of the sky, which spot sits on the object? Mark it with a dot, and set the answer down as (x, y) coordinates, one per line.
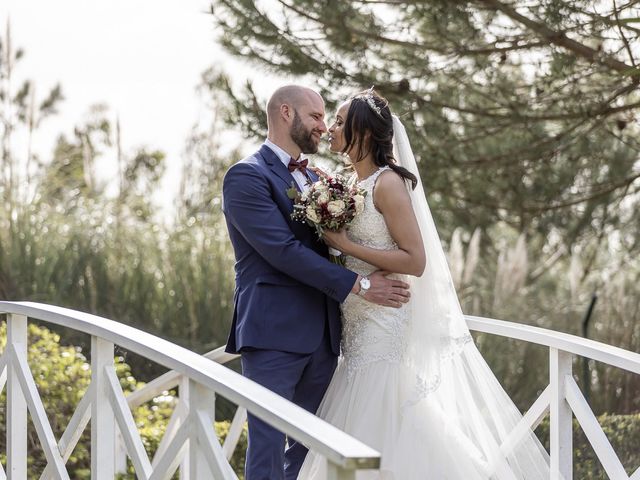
(142, 58)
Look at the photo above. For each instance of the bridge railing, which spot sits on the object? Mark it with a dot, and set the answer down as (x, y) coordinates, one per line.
(561, 399)
(190, 442)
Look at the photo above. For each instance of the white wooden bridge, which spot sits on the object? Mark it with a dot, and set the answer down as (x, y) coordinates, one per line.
(190, 445)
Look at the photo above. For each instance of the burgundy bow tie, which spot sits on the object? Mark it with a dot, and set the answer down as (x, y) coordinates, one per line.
(299, 165)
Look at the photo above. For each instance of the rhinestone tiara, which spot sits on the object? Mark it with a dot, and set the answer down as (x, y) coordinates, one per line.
(368, 96)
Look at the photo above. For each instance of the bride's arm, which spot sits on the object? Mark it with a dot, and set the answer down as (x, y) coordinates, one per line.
(392, 200)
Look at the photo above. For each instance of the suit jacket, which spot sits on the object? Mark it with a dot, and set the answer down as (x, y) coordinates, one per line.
(287, 292)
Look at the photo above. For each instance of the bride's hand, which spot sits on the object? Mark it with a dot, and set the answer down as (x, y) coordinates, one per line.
(338, 240)
(319, 172)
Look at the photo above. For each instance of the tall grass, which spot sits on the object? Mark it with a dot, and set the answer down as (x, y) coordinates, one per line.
(516, 280)
(177, 283)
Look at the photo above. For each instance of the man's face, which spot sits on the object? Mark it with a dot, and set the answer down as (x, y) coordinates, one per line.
(308, 125)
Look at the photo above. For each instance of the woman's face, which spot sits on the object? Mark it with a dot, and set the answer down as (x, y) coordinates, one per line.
(336, 130)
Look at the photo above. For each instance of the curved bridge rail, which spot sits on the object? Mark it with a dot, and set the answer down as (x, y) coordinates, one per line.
(190, 442)
(562, 398)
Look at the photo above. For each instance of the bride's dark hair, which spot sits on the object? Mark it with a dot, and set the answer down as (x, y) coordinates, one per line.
(369, 128)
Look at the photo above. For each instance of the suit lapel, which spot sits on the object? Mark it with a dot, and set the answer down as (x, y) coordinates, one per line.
(277, 166)
(301, 230)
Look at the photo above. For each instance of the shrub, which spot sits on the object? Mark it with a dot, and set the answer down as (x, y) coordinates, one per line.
(62, 375)
(623, 431)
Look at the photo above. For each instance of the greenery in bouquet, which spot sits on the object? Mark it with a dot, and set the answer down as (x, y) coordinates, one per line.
(329, 203)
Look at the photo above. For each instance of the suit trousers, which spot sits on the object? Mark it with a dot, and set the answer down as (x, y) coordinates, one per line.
(300, 378)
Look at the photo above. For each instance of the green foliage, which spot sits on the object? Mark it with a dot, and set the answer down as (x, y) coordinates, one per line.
(19, 110)
(514, 128)
(70, 173)
(527, 142)
(508, 121)
(62, 375)
(520, 117)
(623, 431)
(175, 284)
(510, 285)
(73, 244)
(65, 240)
(238, 459)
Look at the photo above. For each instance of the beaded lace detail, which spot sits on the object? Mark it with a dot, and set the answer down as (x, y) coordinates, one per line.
(371, 333)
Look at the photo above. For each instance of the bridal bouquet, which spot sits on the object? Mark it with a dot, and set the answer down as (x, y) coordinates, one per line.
(329, 203)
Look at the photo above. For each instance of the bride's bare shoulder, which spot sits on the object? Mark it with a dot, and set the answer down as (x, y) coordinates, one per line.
(389, 188)
(389, 181)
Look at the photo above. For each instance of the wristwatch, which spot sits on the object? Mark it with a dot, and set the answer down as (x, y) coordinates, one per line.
(365, 284)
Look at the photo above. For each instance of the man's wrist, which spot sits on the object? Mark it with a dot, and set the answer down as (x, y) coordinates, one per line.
(356, 286)
(365, 285)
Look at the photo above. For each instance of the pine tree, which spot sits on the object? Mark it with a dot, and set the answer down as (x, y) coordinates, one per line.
(518, 112)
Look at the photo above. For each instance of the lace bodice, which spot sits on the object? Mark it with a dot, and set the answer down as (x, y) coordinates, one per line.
(369, 228)
(371, 332)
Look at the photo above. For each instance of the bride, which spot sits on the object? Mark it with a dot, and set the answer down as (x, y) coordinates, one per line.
(410, 382)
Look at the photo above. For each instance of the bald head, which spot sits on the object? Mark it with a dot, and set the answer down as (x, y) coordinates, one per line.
(293, 96)
(295, 118)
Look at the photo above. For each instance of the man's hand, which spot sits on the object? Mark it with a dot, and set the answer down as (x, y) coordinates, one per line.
(386, 291)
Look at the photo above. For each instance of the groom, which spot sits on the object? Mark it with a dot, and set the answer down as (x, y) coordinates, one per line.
(286, 321)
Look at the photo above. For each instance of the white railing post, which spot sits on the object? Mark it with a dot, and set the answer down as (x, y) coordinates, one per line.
(561, 417)
(120, 454)
(193, 433)
(184, 395)
(201, 400)
(16, 402)
(102, 417)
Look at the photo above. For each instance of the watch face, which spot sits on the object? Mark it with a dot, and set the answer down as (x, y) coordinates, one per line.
(365, 284)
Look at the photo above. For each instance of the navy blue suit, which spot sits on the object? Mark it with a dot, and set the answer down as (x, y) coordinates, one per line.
(286, 320)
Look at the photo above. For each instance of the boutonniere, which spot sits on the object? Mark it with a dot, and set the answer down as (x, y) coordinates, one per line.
(293, 192)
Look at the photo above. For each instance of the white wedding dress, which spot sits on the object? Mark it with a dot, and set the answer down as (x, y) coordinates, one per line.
(432, 416)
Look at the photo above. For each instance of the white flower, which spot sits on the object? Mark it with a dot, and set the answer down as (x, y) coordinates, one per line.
(312, 215)
(320, 187)
(336, 207)
(323, 197)
(304, 196)
(359, 202)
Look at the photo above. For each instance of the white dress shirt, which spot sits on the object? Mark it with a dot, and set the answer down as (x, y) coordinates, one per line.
(284, 157)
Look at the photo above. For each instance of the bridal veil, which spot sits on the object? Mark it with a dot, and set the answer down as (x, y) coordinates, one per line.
(454, 390)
